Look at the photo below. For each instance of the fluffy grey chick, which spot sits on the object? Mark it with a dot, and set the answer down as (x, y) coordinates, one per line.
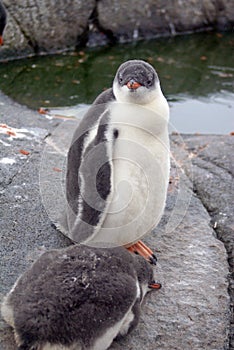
(77, 298)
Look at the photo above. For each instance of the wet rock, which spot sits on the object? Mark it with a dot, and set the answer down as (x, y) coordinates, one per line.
(132, 20)
(192, 310)
(44, 26)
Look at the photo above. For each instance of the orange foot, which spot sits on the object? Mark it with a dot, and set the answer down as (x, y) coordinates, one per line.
(141, 249)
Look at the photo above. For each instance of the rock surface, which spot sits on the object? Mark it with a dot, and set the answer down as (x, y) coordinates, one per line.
(133, 19)
(213, 173)
(43, 26)
(192, 310)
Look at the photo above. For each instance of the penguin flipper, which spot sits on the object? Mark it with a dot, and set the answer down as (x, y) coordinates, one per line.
(89, 176)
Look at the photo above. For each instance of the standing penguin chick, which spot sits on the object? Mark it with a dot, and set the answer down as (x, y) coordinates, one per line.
(77, 298)
(3, 18)
(118, 163)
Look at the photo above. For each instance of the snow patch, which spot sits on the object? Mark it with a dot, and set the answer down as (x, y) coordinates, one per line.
(7, 161)
(15, 133)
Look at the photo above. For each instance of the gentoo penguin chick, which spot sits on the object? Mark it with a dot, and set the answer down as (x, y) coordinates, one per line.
(118, 164)
(77, 298)
(3, 17)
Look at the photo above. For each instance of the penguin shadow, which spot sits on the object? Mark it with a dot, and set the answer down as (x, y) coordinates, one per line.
(77, 298)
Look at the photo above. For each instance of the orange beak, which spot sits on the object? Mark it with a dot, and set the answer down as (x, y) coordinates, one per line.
(155, 285)
(133, 84)
(1, 40)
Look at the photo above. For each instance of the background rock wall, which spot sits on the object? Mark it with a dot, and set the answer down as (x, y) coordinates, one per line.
(45, 25)
(37, 26)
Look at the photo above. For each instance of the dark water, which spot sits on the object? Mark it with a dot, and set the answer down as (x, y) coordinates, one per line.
(196, 73)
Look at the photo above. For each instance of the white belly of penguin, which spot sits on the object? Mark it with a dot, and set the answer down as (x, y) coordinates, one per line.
(140, 168)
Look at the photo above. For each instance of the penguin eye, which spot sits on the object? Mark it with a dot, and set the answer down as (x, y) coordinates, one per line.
(149, 82)
(120, 79)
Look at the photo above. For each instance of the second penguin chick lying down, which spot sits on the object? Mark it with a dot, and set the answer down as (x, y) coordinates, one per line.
(77, 298)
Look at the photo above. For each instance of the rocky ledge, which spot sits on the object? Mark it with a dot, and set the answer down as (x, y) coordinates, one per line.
(46, 26)
(194, 241)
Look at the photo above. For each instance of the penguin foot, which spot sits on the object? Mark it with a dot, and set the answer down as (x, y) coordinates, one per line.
(155, 285)
(142, 249)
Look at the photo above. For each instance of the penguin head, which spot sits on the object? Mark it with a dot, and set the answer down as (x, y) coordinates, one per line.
(137, 82)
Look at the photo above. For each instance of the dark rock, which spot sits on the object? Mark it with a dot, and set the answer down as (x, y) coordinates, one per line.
(45, 26)
(192, 310)
(132, 20)
(36, 27)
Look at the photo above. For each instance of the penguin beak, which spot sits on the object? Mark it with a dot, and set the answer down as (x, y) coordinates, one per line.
(132, 84)
(142, 249)
(155, 285)
(1, 40)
